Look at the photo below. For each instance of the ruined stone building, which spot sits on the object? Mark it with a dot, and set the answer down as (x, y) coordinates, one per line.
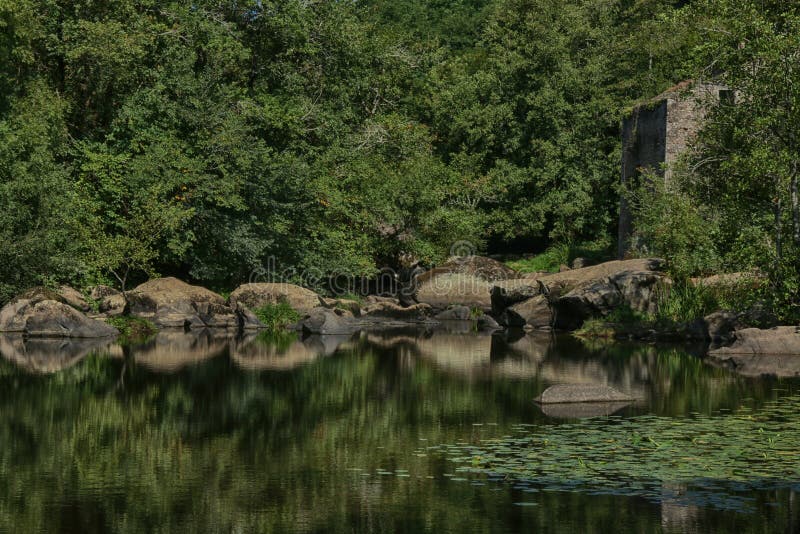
(656, 133)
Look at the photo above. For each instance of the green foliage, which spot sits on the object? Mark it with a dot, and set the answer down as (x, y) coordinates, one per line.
(548, 261)
(596, 251)
(732, 205)
(277, 316)
(644, 455)
(670, 224)
(132, 329)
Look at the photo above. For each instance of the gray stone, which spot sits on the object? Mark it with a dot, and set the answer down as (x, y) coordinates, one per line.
(779, 341)
(595, 298)
(486, 322)
(172, 303)
(456, 313)
(99, 292)
(323, 321)
(534, 312)
(74, 298)
(257, 295)
(112, 305)
(575, 393)
(503, 297)
(247, 320)
(36, 315)
(351, 306)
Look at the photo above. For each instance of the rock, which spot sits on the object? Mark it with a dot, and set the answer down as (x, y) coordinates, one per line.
(247, 319)
(574, 393)
(564, 268)
(323, 321)
(456, 313)
(477, 266)
(486, 322)
(375, 299)
(112, 305)
(393, 311)
(74, 298)
(779, 341)
(41, 313)
(567, 299)
(461, 281)
(721, 326)
(99, 292)
(576, 277)
(599, 297)
(449, 289)
(172, 303)
(343, 304)
(504, 297)
(257, 295)
(534, 312)
(757, 365)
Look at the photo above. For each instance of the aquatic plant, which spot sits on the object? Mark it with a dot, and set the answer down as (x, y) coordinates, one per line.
(712, 459)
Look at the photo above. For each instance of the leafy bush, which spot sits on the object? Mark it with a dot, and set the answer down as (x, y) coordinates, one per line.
(277, 316)
(550, 260)
(559, 254)
(670, 224)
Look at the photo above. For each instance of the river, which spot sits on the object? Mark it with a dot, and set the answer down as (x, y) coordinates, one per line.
(205, 432)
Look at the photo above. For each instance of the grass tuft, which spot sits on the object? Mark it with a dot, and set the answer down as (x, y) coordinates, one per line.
(277, 316)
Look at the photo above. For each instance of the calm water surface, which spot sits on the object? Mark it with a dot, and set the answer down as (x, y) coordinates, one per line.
(202, 432)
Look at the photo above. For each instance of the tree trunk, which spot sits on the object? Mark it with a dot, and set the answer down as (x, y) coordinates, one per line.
(795, 205)
(778, 213)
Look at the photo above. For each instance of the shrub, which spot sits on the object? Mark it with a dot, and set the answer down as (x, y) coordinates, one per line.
(277, 316)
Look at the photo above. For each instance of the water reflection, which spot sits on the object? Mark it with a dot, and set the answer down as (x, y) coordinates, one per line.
(267, 351)
(206, 432)
(42, 355)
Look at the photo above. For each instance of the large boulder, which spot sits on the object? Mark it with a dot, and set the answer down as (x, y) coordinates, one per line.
(535, 312)
(575, 393)
(342, 304)
(74, 298)
(99, 292)
(756, 352)
(505, 296)
(464, 281)
(43, 313)
(172, 303)
(110, 301)
(779, 341)
(456, 313)
(323, 321)
(261, 294)
(569, 298)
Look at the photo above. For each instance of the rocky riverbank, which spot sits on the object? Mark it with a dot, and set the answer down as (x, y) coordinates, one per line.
(479, 292)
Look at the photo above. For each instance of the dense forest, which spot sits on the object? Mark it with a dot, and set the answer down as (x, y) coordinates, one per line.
(203, 138)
